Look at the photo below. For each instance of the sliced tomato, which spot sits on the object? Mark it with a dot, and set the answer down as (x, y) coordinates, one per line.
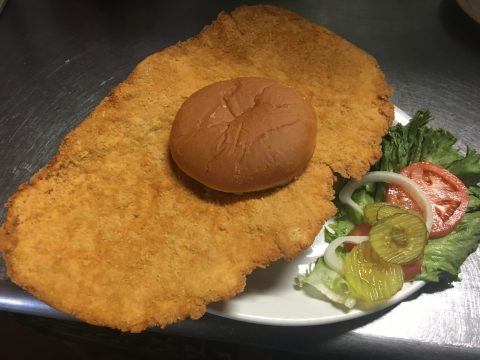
(360, 230)
(412, 269)
(447, 193)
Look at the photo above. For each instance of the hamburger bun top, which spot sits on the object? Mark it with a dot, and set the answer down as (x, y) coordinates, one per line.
(245, 134)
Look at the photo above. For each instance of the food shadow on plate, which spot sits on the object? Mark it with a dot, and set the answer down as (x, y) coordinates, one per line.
(264, 280)
(261, 281)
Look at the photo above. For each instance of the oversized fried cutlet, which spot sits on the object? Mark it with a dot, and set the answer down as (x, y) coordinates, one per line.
(113, 233)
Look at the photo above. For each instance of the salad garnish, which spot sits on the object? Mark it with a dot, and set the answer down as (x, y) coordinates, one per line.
(408, 185)
(335, 261)
(447, 193)
(416, 216)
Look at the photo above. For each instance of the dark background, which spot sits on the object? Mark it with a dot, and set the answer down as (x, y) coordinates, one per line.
(59, 58)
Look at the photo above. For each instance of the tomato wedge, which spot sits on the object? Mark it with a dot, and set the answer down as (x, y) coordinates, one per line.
(361, 230)
(447, 193)
(412, 269)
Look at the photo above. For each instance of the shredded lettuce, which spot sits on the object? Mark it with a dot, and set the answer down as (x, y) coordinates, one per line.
(404, 145)
(328, 282)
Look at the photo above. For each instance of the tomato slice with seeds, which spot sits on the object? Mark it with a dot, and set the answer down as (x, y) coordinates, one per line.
(447, 193)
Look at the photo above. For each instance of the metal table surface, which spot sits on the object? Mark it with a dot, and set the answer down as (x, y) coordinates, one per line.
(58, 59)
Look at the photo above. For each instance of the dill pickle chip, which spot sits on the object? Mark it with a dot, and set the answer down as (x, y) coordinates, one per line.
(399, 238)
(369, 277)
(389, 210)
(370, 212)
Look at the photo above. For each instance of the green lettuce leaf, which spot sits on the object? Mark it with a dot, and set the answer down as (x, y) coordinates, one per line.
(347, 218)
(414, 142)
(467, 168)
(474, 199)
(328, 282)
(401, 145)
(443, 257)
(340, 227)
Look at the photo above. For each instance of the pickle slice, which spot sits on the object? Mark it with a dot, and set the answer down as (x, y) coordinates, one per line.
(369, 277)
(399, 238)
(389, 210)
(370, 212)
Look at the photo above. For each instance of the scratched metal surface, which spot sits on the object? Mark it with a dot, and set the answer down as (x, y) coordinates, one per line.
(59, 59)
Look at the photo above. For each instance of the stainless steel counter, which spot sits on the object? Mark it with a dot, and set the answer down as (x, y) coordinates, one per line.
(58, 59)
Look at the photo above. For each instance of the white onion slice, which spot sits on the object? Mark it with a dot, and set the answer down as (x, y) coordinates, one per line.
(330, 256)
(406, 183)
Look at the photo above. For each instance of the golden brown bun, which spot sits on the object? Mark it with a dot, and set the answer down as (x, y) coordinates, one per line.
(245, 134)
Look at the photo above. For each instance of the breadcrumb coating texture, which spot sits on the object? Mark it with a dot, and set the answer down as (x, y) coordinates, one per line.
(111, 232)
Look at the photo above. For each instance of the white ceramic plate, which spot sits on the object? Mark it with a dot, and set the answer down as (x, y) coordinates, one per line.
(271, 298)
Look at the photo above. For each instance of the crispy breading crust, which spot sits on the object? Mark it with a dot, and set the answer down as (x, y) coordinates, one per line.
(111, 232)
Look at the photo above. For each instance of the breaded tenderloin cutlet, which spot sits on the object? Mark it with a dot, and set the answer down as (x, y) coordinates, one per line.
(111, 232)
